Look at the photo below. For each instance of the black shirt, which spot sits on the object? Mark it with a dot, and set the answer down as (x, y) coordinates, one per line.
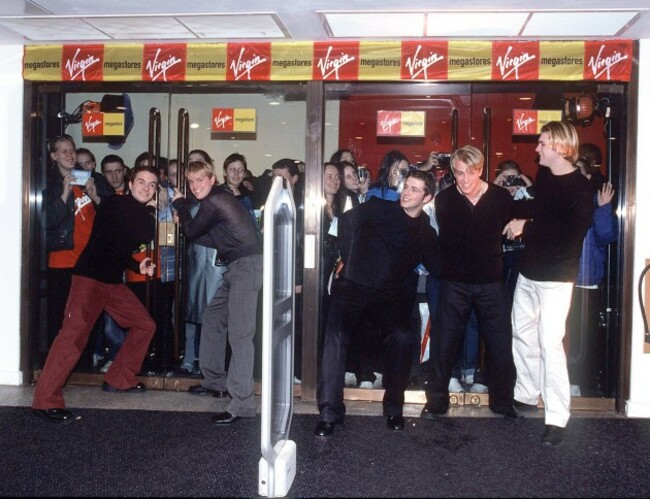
(121, 225)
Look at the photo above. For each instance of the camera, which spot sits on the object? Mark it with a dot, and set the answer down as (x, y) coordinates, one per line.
(443, 159)
(362, 173)
(513, 180)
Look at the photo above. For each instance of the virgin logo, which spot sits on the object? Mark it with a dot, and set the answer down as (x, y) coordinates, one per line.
(242, 67)
(78, 67)
(416, 66)
(91, 125)
(387, 124)
(158, 68)
(221, 119)
(508, 65)
(523, 122)
(600, 64)
(330, 67)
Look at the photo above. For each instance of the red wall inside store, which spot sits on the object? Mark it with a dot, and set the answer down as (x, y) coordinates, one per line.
(358, 128)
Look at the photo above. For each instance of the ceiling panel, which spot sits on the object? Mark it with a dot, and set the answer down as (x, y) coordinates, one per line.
(578, 23)
(53, 29)
(239, 26)
(123, 28)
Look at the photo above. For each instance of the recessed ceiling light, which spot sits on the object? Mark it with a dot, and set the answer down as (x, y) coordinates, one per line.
(374, 24)
(475, 24)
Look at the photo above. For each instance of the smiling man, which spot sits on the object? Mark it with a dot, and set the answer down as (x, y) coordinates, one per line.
(121, 225)
(381, 242)
(471, 215)
(222, 222)
(553, 224)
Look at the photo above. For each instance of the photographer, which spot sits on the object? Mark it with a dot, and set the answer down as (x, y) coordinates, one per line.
(510, 176)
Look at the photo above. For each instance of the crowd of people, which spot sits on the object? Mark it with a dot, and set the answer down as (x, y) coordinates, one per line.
(499, 265)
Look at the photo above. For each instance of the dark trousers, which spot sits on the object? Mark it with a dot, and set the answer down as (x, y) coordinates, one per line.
(87, 299)
(350, 304)
(492, 307)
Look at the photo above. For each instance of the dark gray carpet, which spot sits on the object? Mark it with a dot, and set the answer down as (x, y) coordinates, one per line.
(146, 453)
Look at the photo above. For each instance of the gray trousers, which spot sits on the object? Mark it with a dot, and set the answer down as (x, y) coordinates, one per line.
(231, 316)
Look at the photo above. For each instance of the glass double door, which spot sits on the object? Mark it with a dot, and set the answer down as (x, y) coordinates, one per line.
(308, 123)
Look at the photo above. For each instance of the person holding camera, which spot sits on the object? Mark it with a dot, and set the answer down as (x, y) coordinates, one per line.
(70, 202)
(518, 185)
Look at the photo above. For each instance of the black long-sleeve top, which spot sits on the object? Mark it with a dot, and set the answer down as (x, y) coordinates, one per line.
(380, 244)
(559, 216)
(470, 235)
(221, 222)
(121, 226)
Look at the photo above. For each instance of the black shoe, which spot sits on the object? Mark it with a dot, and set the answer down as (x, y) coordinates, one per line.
(432, 410)
(395, 422)
(201, 390)
(224, 418)
(523, 407)
(58, 416)
(509, 412)
(139, 388)
(324, 429)
(552, 436)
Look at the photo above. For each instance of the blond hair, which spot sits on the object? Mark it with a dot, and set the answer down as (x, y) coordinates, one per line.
(563, 139)
(197, 167)
(469, 155)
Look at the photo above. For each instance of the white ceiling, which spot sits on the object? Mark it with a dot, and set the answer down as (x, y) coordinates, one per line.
(61, 21)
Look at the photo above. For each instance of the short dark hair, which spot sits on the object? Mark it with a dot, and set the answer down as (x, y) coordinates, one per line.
(427, 177)
(112, 158)
(142, 168)
(286, 164)
(235, 157)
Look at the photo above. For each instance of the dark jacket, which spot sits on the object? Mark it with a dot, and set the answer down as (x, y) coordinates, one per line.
(221, 222)
(59, 216)
(381, 245)
(121, 226)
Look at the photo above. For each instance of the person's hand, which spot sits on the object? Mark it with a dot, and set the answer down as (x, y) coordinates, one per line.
(91, 190)
(177, 195)
(146, 267)
(430, 163)
(514, 228)
(67, 187)
(605, 194)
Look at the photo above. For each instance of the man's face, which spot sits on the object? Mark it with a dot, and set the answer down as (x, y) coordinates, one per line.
(468, 181)
(414, 196)
(235, 173)
(547, 155)
(200, 184)
(114, 173)
(284, 173)
(350, 179)
(65, 155)
(143, 186)
(86, 162)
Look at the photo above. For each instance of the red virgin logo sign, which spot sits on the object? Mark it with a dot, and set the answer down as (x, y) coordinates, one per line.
(336, 61)
(83, 63)
(222, 119)
(164, 62)
(424, 61)
(92, 125)
(515, 60)
(607, 60)
(249, 61)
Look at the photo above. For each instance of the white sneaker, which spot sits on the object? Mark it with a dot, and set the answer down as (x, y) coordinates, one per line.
(350, 379)
(455, 386)
(297, 380)
(96, 359)
(378, 380)
(105, 367)
(468, 380)
(478, 388)
(366, 384)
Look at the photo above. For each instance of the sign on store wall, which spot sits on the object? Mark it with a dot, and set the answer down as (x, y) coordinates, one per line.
(531, 121)
(234, 120)
(102, 124)
(400, 123)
